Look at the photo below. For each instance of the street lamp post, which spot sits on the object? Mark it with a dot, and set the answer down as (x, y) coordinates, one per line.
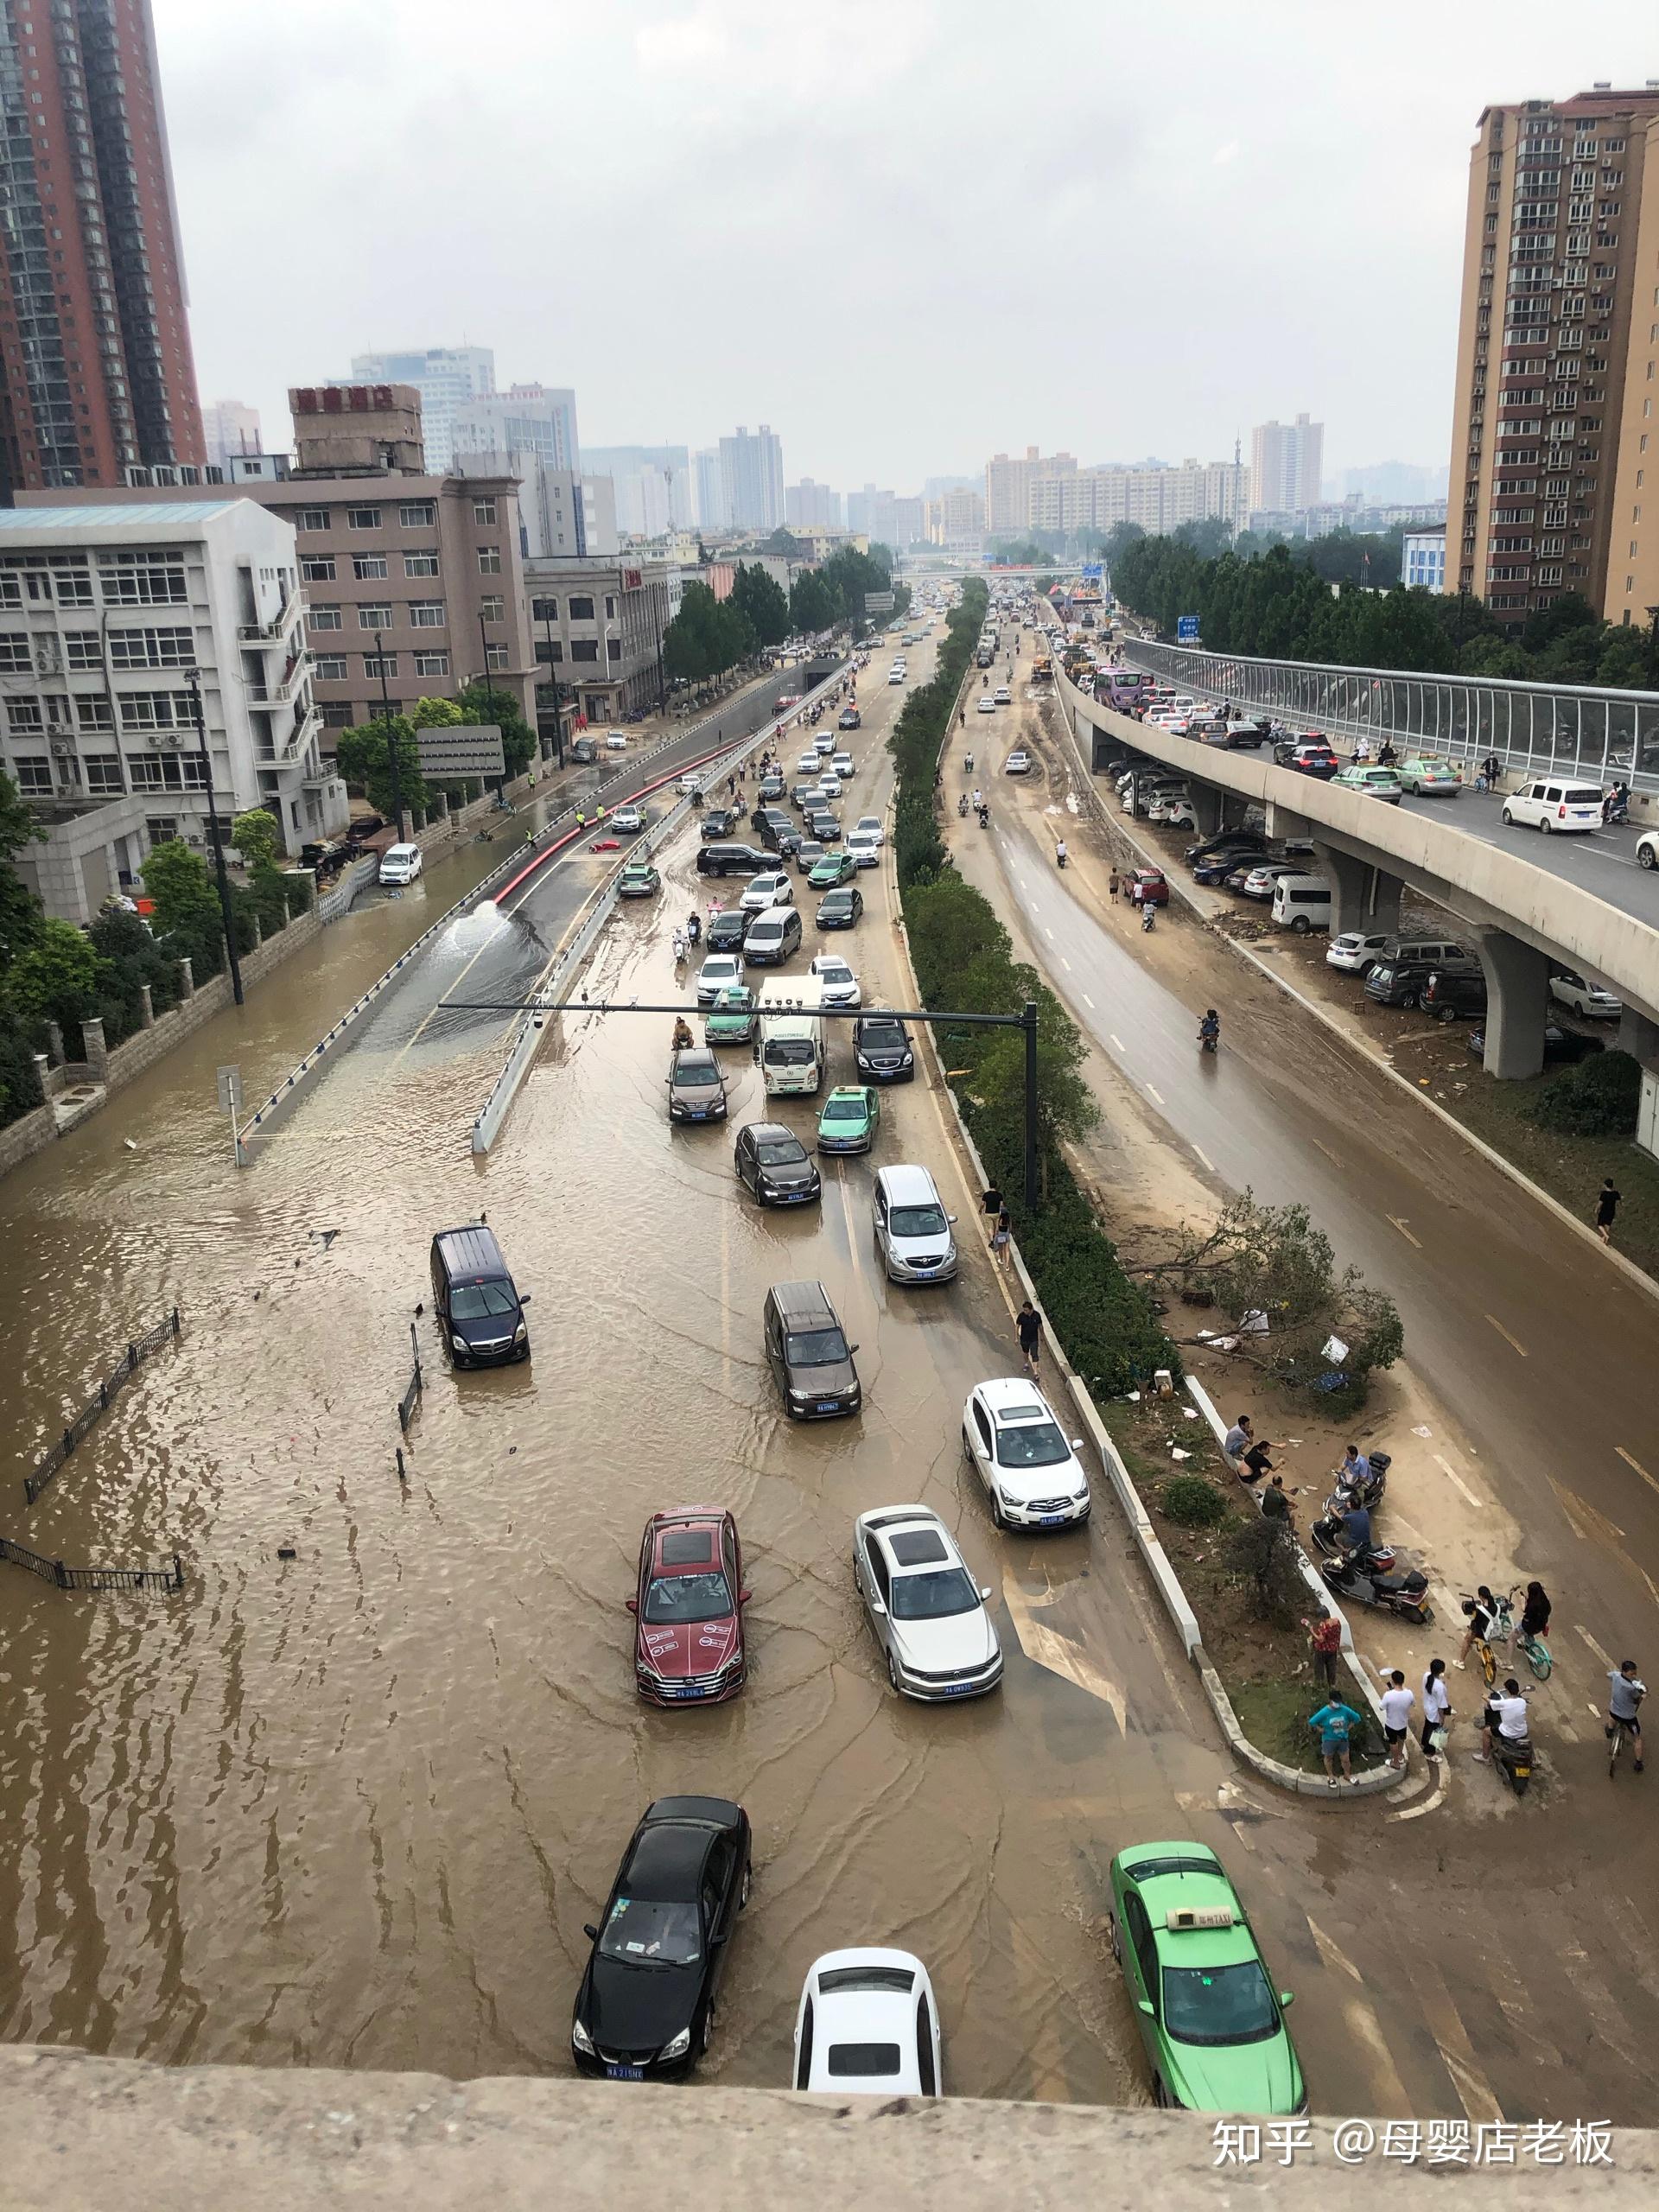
(392, 736)
(558, 714)
(489, 694)
(225, 906)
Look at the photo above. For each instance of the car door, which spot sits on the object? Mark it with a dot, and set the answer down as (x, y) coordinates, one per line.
(719, 1899)
(745, 1157)
(1141, 1966)
(877, 1586)
(879, 1217)
(773, 1330)
(981, 1442)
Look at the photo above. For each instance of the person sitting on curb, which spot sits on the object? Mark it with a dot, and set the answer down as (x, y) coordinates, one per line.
(1249, 1459)
(1335, 1723)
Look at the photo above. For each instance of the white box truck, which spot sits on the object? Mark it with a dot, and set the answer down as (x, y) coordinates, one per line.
(792, 1036)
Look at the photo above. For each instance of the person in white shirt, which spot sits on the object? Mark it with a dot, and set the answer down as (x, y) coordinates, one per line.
(1397, 1701)
(1437, 1704)
(1509, 1714)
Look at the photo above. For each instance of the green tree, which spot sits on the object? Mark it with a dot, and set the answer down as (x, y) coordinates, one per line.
(179, 885)
(57, 978)
(812, 603)
(255, 835)
(20, 910)
(482, 701)
(364, 757)
(760, 599)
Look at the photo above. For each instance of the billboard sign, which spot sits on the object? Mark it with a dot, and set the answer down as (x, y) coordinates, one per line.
(879, 602)
(462, 749)
(1187, 629)
(1094, 570)
(633, 579)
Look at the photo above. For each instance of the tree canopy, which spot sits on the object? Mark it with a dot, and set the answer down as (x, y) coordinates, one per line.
(707, 636)
(761, 600)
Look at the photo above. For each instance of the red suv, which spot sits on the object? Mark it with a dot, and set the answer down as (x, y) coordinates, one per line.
(1148, 889)
(688, 1608)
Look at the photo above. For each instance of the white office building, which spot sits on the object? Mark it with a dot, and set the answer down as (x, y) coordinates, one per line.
(752, 478)
(1422, 559)
(104, 611)
(1286, 463)
(529, 418)
(446, 377)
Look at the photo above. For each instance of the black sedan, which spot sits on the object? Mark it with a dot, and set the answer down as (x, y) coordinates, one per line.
(647, 2001)
(840, 908)
(725, 932)
(774, 1163)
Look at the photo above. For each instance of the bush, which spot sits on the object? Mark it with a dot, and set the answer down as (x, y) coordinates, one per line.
(19, 1087)
(1598, 1099)
(1263, 1552)
(1192, 1502)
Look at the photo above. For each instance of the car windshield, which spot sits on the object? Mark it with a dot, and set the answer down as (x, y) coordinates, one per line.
(816, 1348)
(472, 1301)
(931, 1596)
(845, 1110)
(696, 1069)
(779, 1152)
(918, 1221)
(1219, 2005)
(1033, 1443)
(646, 1931)
(883, 1035)
(702, 1597)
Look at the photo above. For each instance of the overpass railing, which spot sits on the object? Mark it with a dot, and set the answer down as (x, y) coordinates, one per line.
(1577, 730)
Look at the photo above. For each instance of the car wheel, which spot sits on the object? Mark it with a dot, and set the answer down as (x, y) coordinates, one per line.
(1543, 826)
(708, 2031)
(1114, 1936)
(999, 1519)
(1301, 926)
(748, 1884)
(1507, 818)
(893, 1673)
(1159, 2093)
(1409, 1001)
(1446, 1014)
(1648, 856)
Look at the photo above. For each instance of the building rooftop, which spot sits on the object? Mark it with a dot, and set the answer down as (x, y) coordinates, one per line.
(183, 515)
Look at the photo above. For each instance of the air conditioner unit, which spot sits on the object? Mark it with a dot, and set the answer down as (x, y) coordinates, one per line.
(64, 748)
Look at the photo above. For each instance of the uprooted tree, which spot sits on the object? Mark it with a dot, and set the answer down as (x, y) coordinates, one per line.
(1271, 1279)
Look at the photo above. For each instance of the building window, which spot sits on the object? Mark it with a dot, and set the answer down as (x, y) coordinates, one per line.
(316, 567)
(94, 714)
(431, 663)
(484, 510)
(375, 665)
(493, 607)
(426, 614)
(33, 774)
(373, 614)
(368, 568)
(157, 711)
(581, 610)
(338, 714)
(152, 649)
(329, 668)
(362, 517)
(548, 651)
(104, 772)
(610, 606)
(23, 714)
(417, 514)
(421, 564)
(314, 519)
(74, 586)
(584, 649)
(497, 657)
(543, 610)
(166, 771)
(14, 652)
(613, 648)
(143, 580)
(489, 560)
(324, 618)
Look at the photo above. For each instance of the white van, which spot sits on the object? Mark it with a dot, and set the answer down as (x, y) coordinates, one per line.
(1302, 903)
(400, 864)
(792, 1037)
(1547, 803)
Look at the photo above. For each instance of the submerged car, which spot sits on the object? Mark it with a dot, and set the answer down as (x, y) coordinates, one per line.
(688, 1608)
(851, 1115)
(645, 2005)
(696, 1089)
(731, 1019)
(927, 1611)
(867, 2024)
(1212, 2024)
(638, 879)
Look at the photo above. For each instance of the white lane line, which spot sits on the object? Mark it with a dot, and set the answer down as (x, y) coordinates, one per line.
(1205, 1157)
(1504, 1334)
(1405, 1232)
(1065, 963)
(1651, 1483)
(1117, 1041)
(1595, 1647)
(1048, 933)
(1327, 1150)
(1456, 1479)
(1155, 1095)
(1088, 1001)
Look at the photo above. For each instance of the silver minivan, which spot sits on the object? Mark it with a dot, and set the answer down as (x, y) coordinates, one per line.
(911, 1228)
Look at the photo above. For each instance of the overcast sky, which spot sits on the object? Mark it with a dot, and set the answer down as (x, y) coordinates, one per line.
(905, 233)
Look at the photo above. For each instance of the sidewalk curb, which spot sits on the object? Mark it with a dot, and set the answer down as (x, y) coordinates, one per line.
(1516, 1175)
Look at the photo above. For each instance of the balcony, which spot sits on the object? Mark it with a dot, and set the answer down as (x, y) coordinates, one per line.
(281, 693)
(258, 633)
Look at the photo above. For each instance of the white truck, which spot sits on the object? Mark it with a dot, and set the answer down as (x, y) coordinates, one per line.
(791, 1050)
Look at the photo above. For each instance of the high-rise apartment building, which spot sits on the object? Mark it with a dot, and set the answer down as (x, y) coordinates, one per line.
(1286, 463)
(751, 477)
(808, 506)
(96, 374)
(709, 490)
(526, 418)
(653, 487)
(446, 377)
(870, 513)
(1007, 487)
(230, 432)
(1557, 344)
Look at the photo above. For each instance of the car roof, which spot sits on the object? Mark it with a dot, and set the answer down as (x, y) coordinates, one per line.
(1193, 1879)
(906, 1183)
(667, 1858)
(687, 1542)
(803, 1301)
(1011, 1397)
(470, 1251)
(914, 1537)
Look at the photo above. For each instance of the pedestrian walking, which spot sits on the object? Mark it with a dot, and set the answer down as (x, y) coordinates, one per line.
(582, 821)
(1029, 1323)
(1397, 1701)
(1336, 1723)
(1112, 887)
(1437, 1708)
(990, 1204)
(1325, 1636)
(1002, 1237)
(1606, 1206)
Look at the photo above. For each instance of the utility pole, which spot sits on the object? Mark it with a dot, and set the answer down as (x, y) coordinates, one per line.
(1028, 1023)
(225, 906)
(489, 694)
(558, 714)
(392, 736)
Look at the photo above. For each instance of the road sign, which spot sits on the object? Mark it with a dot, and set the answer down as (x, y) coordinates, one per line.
(1096, 570)
(1187, 629)
(230, 1091)
(879, 602)
(461, 749)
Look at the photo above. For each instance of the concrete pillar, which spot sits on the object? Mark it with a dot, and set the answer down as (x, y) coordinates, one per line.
(1517, 1000)
(1639, 1036)
(41, 1070)
(1209, 810)
(1283, 822)
(186, 979)
(1361, 897)
(258, 934)
(97, 1055)
(146, 1007)
(54, 1043)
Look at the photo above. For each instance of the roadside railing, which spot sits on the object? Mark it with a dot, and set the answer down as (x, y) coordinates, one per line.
(45, 1471)
(164, 1579)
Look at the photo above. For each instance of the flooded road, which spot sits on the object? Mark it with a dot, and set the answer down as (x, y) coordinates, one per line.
(353, 1808)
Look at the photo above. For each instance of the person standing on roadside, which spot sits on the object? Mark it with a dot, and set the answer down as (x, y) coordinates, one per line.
(1397, 1701)
(1325, 1635)
(1001, 1236)
(1437, 1707)
(1606, 1206)
(1028, 1322)
(1112, 887)
(1335, 1723)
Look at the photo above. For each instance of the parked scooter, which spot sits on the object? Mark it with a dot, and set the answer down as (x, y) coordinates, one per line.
(1356, 1578)
(1332, 1538)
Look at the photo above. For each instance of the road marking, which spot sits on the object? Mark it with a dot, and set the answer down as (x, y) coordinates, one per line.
(1327, 1150)
(1065, 963)
(1416, 1242)
(1150, 1093)
(1651, 1483)
(1048, 933)
(1117, 1041)
(1044, 1647)
(1432, 1802)
(1445, 2023)
(1457, 1481)
(1595, 1647)
(1332, 1954)
(1088, 1001)
(1504, 1334)
(1205, 1157)
(1585, 1520)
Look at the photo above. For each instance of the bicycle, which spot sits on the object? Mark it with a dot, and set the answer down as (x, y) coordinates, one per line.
(1533, 1649)
(1617, 1731)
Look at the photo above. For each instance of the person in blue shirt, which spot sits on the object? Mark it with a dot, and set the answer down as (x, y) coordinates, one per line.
(1356, 1469)
(1335, 1723)
(1357, 1527)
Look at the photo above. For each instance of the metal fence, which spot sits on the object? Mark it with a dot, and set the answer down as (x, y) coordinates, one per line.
(94, 1578)
(411, 1396)
(1576, 730)
(95, 1408)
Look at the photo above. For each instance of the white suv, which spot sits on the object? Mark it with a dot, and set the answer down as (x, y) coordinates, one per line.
(1032, 1474)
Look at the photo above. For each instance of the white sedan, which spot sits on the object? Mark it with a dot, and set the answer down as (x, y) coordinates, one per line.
(837, 985)
(925, 1609)
(1017, 764)
(718, 972)
(1568, 989)
(870, 825)
(764, 891)
(868, 2025)
(986, 704)
(1031, 1472)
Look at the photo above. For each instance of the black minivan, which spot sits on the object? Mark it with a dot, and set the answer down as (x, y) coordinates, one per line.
(481, 1312)
(810, 1357)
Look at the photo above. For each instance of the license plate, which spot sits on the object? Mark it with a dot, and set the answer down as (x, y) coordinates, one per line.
(685, 1693)
(696, 1114)
(1052, 1520)
(625, 2073)
(826, 1405)
(792, 1198)
(957, 1689)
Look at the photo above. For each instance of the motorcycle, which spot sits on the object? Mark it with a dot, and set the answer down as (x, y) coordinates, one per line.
(1371, 1491)
(694, 929)
(984, 817)
(1333, 1540)
(1209, 1039)
(1059, 857)
(1512, 1757)
(1352, 1576)
(962, 807)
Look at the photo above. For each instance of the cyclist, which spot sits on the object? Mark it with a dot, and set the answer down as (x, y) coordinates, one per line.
(1625, 1703)
(1480, 1610)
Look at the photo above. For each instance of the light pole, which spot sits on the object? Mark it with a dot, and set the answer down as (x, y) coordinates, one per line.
(558, 714)
(392, 736)
(225, 906)
(489, 694)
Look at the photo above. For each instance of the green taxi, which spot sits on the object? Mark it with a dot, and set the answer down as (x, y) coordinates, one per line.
(639, 879)
(832, 871)
(851, 1117)
(1435, 779)
(1210, 2019)
(1376, 783)
(731, 1019)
